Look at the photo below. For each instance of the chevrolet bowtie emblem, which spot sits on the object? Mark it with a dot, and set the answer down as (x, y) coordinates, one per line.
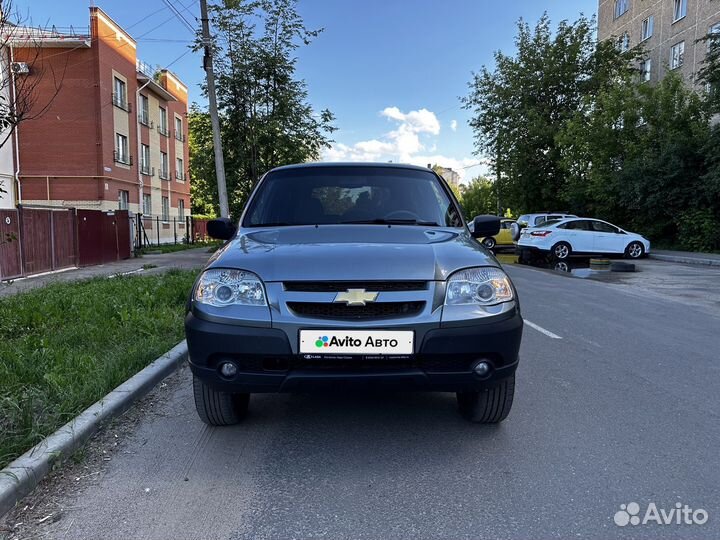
(356, 297)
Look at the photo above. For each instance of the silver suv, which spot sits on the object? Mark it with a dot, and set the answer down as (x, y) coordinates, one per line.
(353, 275)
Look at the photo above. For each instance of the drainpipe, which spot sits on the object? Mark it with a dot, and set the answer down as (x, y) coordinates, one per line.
(141, 182)
(18, 195)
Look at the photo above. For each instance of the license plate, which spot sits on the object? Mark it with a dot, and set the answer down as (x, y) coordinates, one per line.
(377, 342)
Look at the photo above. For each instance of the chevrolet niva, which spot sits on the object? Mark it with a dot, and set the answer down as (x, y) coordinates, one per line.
(353, 276)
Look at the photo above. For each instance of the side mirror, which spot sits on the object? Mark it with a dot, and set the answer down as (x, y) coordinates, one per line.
(221, 228)
(484, 226)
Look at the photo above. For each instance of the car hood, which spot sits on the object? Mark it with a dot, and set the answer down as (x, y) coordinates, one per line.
(352, 252)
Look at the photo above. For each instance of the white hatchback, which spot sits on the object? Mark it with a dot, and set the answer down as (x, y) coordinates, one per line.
(585, 236)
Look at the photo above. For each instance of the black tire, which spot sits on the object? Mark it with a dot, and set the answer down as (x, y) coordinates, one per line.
(634, 250)
(561, 251)
(217, 408)
(488, 406)
(489, 242)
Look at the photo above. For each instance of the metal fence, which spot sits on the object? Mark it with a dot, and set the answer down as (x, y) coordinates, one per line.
(154, 230)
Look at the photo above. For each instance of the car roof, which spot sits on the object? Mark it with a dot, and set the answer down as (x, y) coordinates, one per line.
(353, 164)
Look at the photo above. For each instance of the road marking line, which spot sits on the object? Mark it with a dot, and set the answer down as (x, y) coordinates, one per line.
(540, 329)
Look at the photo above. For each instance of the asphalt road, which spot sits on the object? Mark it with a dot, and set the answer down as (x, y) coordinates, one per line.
(621, 406)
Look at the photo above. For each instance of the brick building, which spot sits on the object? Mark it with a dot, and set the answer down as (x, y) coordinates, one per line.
(669, 31)
(114, 136)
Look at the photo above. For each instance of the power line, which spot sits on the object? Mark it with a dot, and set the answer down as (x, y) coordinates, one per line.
(180, 16)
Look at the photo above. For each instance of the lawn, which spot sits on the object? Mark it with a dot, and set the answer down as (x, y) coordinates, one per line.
(64, 346)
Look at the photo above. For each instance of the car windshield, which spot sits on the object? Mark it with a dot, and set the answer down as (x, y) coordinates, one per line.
(548, 222)
(351, 195)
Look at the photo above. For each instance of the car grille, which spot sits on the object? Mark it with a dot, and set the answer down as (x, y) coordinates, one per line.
(341, 286)
(375, 310)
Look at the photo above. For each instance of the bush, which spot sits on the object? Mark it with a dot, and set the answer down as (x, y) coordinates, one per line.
(698, 230)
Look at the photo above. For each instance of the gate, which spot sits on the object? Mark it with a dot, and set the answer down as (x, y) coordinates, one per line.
(10, 259)
(103, 236)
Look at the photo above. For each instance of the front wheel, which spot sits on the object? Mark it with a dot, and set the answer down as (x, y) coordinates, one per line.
(217, 408)
(488, 406)
(489, 242)
(635, 250)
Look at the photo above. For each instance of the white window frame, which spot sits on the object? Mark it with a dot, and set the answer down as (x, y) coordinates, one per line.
(122, 148)
(624, 42)
(144, 108)
(144, 158)
(147, 204)
(677, 55)
(646, 69)
(648, 27)
(181, 209)
(621, 7)
(120, 92)
(679, 10)
(166, 209)
(164, 165)
(713, 30)
(163, 121)
(180, 168)
(123, 199)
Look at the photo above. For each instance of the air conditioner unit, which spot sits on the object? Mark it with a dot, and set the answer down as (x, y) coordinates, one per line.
(19, 68)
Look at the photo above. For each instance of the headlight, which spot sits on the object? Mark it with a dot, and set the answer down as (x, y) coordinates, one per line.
(478, 286)
(225, 287)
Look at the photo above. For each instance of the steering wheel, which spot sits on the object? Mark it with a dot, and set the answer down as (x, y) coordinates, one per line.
(402, 214)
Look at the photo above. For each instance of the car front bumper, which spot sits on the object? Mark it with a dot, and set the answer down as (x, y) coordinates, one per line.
(266, 362)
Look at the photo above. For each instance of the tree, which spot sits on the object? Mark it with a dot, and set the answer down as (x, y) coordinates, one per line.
(518, 107)
(266, 119)
(479, 197)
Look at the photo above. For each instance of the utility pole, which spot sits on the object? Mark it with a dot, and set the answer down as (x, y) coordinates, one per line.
(214, 119)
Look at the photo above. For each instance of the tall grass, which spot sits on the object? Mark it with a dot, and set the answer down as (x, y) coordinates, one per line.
(66, 345)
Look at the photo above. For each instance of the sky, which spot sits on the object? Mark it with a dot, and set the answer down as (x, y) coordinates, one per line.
(392, 71)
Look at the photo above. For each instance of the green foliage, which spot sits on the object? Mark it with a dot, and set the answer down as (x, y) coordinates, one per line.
(66, 345)
(266, 119)
(569, 125)
(479, 197)
(698, 230)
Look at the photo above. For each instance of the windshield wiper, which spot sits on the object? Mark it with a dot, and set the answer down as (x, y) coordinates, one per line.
(380, 221)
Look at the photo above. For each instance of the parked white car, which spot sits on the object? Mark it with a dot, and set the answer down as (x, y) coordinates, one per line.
(584, 236)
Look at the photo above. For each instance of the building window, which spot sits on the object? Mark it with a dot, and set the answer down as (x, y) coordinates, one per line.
(180, 170)
(163, 127)
(648, 27)
(646, 69)
(147, 204)
(119, 96)
(680, 10)
(677, 55)
(121, 150)
(165, 209)
(714, 35)
(621, 6)
(181, 209)
(164, 166)
(623, 43)
(179, 135)
(144, 113)
(123, 199)
(145, 160)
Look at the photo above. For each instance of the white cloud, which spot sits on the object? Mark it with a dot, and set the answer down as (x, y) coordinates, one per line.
(410, 142)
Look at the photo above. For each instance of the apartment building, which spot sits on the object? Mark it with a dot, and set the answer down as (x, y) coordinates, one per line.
(669, 31)
(115, 133)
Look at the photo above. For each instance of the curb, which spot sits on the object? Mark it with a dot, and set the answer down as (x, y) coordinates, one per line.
(685, 260)
(22, 475)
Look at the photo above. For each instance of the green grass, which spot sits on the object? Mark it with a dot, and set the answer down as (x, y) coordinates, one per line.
(172, 248)
(64, 346)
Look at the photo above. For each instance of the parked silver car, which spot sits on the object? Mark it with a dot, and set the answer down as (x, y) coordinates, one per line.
(346, 275)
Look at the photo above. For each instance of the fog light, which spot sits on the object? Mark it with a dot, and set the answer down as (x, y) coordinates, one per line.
(228, 369)
(482, 369)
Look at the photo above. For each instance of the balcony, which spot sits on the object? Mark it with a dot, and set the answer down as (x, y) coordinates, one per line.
(147, 170)
(180, 176)
(164, 175)
(163, 131)
(121, 102)
(121, 157)
(179, 136)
